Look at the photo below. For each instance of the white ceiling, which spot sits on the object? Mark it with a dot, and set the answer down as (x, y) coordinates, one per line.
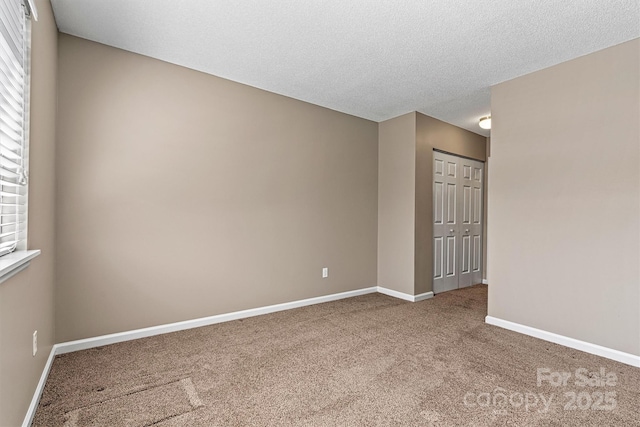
(375, 59)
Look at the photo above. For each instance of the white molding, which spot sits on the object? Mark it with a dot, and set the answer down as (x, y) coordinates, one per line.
(422, 297)
(598, 350)
(31, 412)
(68, 347)
(485, 282)
(402, 295)
(14, 262)
(83, 344)
(395, 294)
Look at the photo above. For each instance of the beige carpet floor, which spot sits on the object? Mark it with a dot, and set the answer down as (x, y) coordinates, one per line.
(371, 360)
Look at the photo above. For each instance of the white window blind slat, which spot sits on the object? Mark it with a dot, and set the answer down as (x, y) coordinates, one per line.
(11, 164)
(8, 194)
(13, 215)
(7, 111)
(13, 15)
(13, 199)
(11, 234)
(10, 144)
(9, 147)
(6, 245)
(15, 63)
(13, 78)
(12, 91)
(12, 28)
(10, 133)
(10, 175)
(17, 12)
(12, 204)
(14, 120)
(10, 155)
(8, 184)
(13, 11)
(12, 87)
(12, 69)
(8, 105)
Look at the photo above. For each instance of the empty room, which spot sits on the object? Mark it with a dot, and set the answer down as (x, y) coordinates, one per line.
(326, 213)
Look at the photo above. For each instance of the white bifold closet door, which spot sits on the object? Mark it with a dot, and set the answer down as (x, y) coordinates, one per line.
(457, 221)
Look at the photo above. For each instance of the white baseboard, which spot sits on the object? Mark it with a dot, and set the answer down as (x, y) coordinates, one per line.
(598, 350)
(84, 344)
(422, 297)
(70, 346)
(402, 295)
(485, 282)
(31, 412)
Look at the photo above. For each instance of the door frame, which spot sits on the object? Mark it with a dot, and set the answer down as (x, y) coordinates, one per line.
(483, 222)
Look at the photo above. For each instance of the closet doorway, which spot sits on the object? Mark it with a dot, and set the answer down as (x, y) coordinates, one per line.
(457, 221)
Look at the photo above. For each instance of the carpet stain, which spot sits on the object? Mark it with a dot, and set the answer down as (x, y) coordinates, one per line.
(139, 409)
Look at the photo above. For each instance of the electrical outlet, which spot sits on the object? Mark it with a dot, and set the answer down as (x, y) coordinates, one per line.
(325, 272)
(35, 342)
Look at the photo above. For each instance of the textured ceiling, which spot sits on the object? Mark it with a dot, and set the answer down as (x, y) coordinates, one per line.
(374, 59)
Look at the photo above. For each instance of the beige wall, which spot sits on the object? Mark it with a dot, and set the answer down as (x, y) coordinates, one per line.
(405, 195)
(26, 300)
(183, 195)
(396, 203)
(564, 211)
(434, 134)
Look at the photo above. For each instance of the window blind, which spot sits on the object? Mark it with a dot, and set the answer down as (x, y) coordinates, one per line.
(14, 108)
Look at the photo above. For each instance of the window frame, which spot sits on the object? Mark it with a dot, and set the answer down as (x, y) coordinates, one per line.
(19, 257)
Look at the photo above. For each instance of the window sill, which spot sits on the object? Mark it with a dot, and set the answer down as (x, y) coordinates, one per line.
(13, 263)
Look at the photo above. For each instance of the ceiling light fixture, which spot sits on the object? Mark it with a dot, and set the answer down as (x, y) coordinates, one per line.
(485, 122)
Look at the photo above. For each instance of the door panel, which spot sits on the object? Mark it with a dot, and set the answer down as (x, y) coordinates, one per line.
(466, 208)
(477, 254)
(438, 167)
(466, 254)
(438, 264)
(477, 205)
(467, 172)
(451, 203)
(438, 203)
(452, 167)
(476, 227)
(451, 256)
